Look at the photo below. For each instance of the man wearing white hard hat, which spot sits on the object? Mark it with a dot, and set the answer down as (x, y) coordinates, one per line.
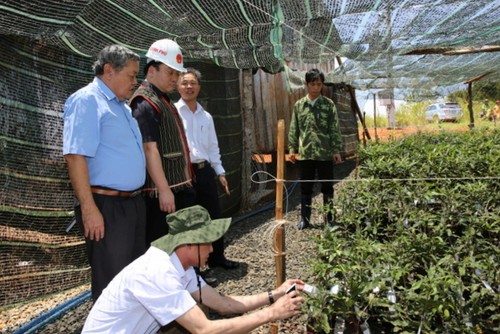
(168, 185)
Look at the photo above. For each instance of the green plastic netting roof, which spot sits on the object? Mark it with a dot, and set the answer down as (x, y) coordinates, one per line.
(383, 43)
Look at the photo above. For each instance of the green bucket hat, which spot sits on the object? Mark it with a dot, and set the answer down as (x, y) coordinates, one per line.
(191, 225)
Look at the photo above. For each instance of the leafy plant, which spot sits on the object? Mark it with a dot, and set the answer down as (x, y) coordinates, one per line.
(412, 113)
(415, 244)
(381, 121)
(481, 91)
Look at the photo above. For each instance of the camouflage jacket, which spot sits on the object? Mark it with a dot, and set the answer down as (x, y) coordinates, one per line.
(314, 130)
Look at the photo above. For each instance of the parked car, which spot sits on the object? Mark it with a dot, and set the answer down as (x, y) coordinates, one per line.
(441, 112)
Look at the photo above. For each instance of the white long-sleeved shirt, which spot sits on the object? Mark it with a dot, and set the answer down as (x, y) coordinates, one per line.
(201, 136)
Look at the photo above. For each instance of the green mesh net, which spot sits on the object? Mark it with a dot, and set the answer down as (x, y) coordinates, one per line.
(390, 43)
(47, 48)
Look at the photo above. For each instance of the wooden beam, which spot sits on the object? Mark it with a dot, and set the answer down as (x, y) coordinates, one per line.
(468, 50)
(478, 77)
(429, 51)
(448, 51)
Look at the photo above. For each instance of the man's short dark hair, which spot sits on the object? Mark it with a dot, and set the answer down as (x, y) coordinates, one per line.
(154, 63)
(314, 74)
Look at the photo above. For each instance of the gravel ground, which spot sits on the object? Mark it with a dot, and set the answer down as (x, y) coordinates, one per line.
(249, 242)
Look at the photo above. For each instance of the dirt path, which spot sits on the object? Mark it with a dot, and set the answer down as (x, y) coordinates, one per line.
(386, 133)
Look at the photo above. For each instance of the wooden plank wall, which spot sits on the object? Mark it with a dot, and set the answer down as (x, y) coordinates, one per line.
(339, 93)
(273, 99)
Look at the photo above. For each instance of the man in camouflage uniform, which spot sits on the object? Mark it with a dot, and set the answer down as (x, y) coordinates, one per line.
(315, 136)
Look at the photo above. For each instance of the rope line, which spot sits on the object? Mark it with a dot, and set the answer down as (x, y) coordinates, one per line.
(273, 229)
(275, 179)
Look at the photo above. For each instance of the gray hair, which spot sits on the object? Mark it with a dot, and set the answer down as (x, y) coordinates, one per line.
(194, 72)
(115, 55)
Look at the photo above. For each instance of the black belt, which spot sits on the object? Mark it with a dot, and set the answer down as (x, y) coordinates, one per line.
(112, 192)
(200, 165)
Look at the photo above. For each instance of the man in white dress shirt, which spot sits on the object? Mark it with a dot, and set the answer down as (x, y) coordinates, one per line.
(161, 287)
(205, 156)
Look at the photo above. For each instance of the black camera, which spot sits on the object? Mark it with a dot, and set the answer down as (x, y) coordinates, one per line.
(292, 287)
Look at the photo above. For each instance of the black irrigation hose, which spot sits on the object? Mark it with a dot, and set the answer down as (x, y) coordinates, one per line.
(55, 313)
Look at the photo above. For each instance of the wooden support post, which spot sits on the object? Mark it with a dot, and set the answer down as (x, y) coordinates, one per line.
(247, 118)
(375, 116)
(471, 112)
(469, 91)
(357, 110)
(280, 233)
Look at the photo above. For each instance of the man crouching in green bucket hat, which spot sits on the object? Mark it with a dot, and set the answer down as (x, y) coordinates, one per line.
(161, 287)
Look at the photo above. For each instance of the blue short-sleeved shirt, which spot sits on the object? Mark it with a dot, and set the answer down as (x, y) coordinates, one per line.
(100, 127)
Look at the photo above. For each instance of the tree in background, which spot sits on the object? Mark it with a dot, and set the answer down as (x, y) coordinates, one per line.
(480, 91)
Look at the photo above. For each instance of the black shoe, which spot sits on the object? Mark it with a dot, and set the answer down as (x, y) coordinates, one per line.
(302, 225)
(212, 281)
(226, 264)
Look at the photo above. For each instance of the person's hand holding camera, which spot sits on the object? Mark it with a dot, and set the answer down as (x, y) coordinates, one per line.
(287, 306)
(288, 301)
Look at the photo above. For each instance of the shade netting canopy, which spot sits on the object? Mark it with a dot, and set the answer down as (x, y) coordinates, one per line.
(416, 44)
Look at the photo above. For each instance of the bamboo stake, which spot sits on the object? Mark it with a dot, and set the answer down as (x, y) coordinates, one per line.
(280, 233)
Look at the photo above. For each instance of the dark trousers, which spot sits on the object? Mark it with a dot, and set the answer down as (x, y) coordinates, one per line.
(156, 222)
(324, 170)
(208, 197)
(123, 242)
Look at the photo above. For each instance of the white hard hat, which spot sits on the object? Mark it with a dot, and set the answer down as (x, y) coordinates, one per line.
(167, 52)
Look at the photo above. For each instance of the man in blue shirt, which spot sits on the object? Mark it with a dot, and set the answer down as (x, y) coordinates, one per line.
(103, 148)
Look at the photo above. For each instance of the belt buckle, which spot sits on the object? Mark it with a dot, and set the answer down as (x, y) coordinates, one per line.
(135, 193)
(200, 165)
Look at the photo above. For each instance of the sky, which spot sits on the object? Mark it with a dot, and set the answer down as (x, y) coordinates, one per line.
(365, 98)
(365, 102)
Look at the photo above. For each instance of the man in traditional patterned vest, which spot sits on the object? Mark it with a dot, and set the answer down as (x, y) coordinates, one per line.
(168, 185)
